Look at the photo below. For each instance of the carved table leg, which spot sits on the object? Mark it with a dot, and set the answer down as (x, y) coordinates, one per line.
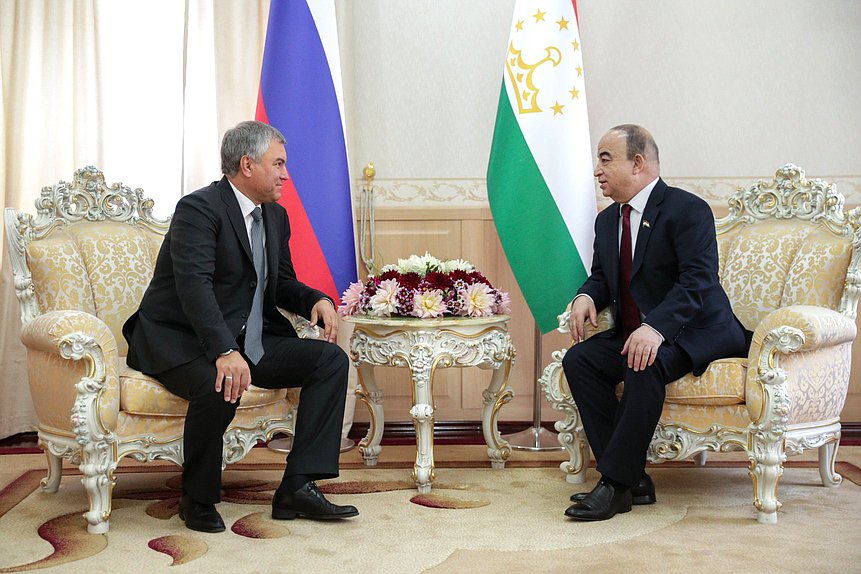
(498, 393)
(372, 396)
(422, 414)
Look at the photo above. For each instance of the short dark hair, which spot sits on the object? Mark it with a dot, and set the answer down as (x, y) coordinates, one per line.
(638, 141)
(249, 138)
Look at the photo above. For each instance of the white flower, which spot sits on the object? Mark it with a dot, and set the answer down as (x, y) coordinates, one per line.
(429, 304)
(420, 264)
(384, 301)
(456, 265)
(479, 299)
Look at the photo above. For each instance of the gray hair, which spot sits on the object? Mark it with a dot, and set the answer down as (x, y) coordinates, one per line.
(249, 138)
(638, 140)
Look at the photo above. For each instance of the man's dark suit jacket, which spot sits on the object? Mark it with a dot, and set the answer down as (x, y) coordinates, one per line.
(204, 280)
(674, 278)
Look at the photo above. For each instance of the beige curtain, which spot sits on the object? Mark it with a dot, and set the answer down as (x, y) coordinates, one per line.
(142, 90)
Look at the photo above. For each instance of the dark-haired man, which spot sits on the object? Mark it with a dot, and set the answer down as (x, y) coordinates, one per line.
(655, 263)
(209, 325)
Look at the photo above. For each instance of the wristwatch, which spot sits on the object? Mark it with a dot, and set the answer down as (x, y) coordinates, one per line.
(225, 353)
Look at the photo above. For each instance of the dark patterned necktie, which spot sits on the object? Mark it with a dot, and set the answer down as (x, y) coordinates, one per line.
(254, 327)
(630, 314)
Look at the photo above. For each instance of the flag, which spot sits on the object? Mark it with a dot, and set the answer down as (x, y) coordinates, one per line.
(301, 95)
(539, 177)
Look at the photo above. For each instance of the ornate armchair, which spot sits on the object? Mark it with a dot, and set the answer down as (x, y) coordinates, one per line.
(789, 261)
(81, 266)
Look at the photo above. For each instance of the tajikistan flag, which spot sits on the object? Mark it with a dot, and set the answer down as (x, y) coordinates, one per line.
(539, 178)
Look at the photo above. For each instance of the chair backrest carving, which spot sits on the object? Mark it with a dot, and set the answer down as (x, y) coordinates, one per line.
(90, 247)
(788, 242)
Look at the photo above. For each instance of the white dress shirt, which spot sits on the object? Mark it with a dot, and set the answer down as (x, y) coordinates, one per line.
(246, 206)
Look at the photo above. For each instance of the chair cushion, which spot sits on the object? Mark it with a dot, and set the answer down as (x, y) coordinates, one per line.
(722, 383)
(144, 395)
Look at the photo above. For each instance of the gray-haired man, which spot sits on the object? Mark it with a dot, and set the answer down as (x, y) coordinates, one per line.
(208, 326)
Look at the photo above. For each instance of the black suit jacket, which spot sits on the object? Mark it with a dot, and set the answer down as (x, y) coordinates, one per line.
(204, 280)
(674, 278)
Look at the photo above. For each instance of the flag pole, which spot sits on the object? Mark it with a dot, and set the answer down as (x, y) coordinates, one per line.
(536, 437)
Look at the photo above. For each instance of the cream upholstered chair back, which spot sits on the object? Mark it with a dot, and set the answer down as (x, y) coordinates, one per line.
(786, 242)
(90, 248)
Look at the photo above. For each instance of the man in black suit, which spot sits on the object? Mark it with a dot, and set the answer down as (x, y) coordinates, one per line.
(208, 325)
(656, 263)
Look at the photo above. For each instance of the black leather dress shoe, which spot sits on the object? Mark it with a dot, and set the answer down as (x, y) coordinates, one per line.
(308, 502)
(642, 493)
(604, 502)
(199, 516)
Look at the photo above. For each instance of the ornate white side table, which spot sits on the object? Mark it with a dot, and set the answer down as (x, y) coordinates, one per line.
(423, 346)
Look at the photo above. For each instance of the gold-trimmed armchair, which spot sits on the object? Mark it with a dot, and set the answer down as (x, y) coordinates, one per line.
(789, 262)
(81, 267)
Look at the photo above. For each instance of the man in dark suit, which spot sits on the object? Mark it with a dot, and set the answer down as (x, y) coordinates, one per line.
(656, 263)
(208, 326)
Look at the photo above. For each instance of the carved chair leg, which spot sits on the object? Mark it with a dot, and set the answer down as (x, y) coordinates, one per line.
(98, 468)
(766, 468)
(573, 439)
(827, 457)
(51, 483)
(570, 429)
(700, 458)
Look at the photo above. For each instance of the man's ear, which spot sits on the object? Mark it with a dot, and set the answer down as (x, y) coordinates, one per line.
(639, 163)
(245, 165)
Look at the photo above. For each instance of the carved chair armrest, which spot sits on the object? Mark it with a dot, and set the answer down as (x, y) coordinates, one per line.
(605, 321)
(795, 349)
(73, 364)
(303, 326)
(553, 378)
(820, 327)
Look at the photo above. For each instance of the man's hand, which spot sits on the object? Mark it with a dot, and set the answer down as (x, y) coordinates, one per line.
(325, 310)
(581, 308)
(642, 347)
(233, 374)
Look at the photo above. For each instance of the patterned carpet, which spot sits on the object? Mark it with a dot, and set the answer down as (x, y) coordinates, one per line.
(476, 519)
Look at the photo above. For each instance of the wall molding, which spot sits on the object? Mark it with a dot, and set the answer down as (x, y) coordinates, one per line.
(456, 193)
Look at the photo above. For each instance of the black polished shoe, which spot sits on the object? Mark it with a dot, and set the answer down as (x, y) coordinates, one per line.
(642, 493)
(308, 502)
(604, 502)
(199, 516)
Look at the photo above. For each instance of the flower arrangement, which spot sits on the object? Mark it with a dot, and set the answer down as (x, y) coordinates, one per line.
(425, 287)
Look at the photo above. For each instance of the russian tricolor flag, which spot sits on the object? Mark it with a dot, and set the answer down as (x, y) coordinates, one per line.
(301, 95)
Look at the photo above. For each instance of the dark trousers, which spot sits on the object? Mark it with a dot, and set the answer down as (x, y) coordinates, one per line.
(619, 431)
(318, 367)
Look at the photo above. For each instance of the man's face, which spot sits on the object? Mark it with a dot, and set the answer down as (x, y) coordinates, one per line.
(614, 171)
(266, 178)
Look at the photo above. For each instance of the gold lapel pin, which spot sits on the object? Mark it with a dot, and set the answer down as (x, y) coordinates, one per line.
(646, 223)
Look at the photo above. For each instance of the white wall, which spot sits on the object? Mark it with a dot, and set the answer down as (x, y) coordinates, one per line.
(730, 89)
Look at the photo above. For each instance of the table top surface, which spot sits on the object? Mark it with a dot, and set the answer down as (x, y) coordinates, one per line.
(427, 323)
